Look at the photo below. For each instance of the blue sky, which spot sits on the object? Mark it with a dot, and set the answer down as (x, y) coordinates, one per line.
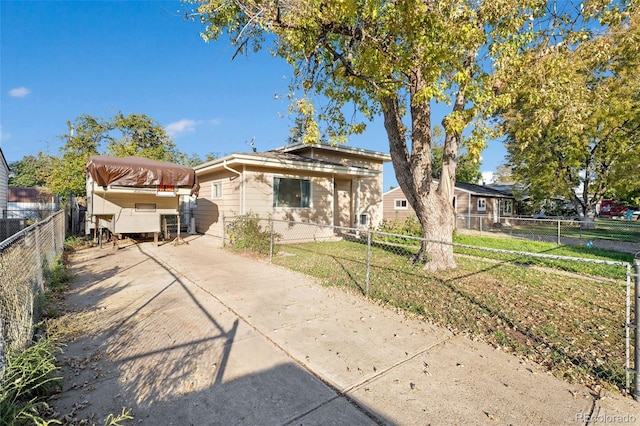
(62, 59)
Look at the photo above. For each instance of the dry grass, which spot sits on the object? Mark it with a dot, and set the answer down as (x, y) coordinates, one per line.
(573, 326)
(74, 325)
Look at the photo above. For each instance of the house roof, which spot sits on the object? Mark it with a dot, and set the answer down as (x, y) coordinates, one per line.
(337, 148)
(482, 190)
(4, 161)
(278, 158)
(22, 194)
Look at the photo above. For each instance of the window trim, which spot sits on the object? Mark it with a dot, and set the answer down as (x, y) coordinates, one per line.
(482, 208)
(217, 183)
(309, 196)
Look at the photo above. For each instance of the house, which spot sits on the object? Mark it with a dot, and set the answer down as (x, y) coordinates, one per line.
(4, 183)
(469, 200)
(8, 227)
(321, 184)
(31, 203)
(134, 195)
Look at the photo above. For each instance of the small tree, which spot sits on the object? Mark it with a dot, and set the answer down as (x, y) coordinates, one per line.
(32, 170)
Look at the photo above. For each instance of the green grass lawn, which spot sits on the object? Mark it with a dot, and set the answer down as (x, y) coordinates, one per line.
(572, 325)
(514, 244)
(604, 230)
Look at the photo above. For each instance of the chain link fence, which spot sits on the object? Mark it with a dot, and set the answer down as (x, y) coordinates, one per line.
(576, 316)
(618, 234)
(25, 258)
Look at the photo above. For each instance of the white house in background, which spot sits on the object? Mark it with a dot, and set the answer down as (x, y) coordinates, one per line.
(31, 203)
(4, 183)
(320, 184)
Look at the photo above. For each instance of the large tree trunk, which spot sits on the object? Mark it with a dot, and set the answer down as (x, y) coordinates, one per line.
(433, 205)
(586, 205)
(438, 223)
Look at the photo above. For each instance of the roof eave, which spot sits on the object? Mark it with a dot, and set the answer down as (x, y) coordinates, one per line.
(249, 160)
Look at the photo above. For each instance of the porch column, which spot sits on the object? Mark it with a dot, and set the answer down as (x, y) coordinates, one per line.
(357, 204)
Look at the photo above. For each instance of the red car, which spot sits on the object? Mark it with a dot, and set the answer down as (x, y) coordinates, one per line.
(611, 209)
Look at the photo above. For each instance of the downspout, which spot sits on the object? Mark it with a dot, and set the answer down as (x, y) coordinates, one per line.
(224, 164)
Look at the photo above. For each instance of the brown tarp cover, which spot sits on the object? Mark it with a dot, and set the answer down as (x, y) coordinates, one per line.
(138, 171)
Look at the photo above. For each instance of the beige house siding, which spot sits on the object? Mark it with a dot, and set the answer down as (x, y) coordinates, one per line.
(345, 190)
(253, 193)
(210, 211)
(370, 191)
(390, 211)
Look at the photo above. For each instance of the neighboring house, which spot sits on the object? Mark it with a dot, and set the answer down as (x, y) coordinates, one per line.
(31, 203)
(320, 184)
(4, 183)
(469, 200)
(133, 195)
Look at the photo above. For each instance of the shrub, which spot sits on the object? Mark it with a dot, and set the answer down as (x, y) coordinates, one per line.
(410, 227)
(245, 233)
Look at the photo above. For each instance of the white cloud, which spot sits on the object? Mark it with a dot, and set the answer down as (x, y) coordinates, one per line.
(189, 126)
(488, 177)
(183, 126)
(4, 136)
(19, 92)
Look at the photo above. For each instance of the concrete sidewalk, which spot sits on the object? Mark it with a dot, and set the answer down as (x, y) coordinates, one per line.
(192, 334)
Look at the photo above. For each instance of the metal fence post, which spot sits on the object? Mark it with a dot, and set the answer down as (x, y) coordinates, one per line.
(558, 231)
(270, 240)
(224, 232)
(636, 362)
(39, 260)
(368, 263)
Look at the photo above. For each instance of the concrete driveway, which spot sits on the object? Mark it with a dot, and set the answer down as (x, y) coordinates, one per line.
(193, 335)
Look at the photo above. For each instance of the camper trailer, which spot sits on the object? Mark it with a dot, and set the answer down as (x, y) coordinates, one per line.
(134, 195)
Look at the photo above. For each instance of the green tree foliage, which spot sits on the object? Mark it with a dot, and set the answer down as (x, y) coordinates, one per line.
(573, 130)
(32, 170)
(195, 159)
(141, 136)
(396, 59)
(83, 140)
(136, 135)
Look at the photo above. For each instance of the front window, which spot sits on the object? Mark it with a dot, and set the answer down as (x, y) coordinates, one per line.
(401, 204)
(291, 192)
(482, 204)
